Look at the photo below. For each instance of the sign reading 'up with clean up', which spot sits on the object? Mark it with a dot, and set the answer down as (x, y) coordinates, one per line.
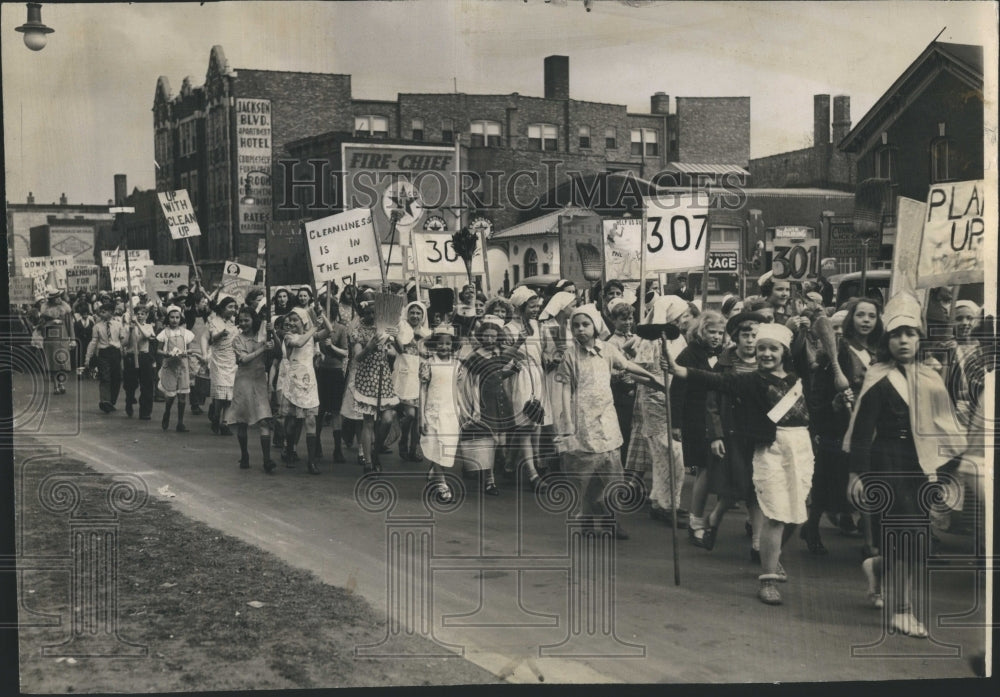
(179, 212)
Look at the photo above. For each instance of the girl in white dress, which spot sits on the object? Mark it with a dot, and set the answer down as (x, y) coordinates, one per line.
(300, 396)
(174, 344)
(439, 425)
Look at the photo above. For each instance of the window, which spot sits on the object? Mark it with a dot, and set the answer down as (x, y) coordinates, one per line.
(193, 180)
(447, 131)
(644, 142)
(187, 138)
(543, 136)
(371, 126)
(725, 235)
(885, 163)
(484, 133)
(517, 274)
(585, 137)
(545, 268)
(610, 138)
(530, 263)
(417, 127)
(941, 170)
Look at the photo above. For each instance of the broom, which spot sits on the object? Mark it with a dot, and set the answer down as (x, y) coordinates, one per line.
(869, 208)
(590, 259)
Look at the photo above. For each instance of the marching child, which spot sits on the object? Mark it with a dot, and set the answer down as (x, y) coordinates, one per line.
(777, 417)
(251, 402)
(438, 413)
(300, 395)
(173, 345)
(589, 422)
(903, 431)
(138, 336)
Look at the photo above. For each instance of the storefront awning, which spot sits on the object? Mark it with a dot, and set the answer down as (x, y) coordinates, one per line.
(703, 168)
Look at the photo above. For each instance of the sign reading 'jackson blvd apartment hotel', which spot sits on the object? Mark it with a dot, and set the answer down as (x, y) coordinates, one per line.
(253, 162)
(370, 169)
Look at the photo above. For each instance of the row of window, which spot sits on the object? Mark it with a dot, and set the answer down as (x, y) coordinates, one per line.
(541, 136)
(941, 161)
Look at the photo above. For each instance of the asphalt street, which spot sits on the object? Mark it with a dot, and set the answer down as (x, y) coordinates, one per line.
(496, 583)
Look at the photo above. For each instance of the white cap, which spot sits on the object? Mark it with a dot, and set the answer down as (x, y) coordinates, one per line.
(902, 310)
(775, 332)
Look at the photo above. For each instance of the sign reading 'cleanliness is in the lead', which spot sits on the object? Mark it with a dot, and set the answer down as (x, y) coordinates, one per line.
(344, 245)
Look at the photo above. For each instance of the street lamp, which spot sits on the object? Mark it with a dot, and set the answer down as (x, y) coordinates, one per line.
(34, 29)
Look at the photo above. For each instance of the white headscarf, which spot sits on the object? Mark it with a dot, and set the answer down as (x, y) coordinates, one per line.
(521, 295)
(557, 303)
(406, 332)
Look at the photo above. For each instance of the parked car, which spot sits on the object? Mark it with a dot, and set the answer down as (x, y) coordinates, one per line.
(848, 285)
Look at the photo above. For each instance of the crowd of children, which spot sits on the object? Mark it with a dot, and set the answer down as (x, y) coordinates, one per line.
(778, 401)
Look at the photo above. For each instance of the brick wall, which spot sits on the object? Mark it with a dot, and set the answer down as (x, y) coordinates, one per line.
(714, 130)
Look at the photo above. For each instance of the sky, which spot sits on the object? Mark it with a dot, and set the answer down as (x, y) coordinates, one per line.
(79, 111)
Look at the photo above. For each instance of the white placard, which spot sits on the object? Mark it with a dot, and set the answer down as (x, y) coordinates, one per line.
(676, 232)
(795, 261)
(110, 257)
(22, 290)
(343, 245)
(137, 268)
(39, 267)
(433, 253)
(165, 278)
(179, 212)
(82, 277)
(951, 247)
(622, 249)
(237, 280)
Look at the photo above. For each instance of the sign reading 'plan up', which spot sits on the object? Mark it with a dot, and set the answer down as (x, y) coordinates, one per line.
(951, 248)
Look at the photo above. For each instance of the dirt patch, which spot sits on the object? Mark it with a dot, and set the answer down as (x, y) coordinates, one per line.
(183, 593)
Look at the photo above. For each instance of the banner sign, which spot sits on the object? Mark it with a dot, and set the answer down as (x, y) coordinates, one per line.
(82, 277)
(342, 245)
(113, 256)
(434, 254)
(237, 280)
(179, 212)
(253, 157)
(795, 261)
(792, 232)
(165, 278)
(36, 267)
(581, 239)
(676, 232)
(22, 290)
(951, 247)
(723, 261)
(622, 249)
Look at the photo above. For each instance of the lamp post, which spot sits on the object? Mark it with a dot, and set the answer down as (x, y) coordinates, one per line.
(34, 30)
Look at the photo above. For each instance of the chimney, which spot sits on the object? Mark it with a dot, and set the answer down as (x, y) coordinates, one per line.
(821, 119)
(557, 77)
(841, 117)
(659, 103)
(121, 189)
(31, 197)
(63, 200)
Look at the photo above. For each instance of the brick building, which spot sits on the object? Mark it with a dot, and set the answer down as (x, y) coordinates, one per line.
(215, 138)
(22, 217)
(822, 164)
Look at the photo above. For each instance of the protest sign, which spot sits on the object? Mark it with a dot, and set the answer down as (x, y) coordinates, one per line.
(676, 232)
(179, 213)
(622, 249)
(909, 229)
(795, 259)
(83, 277)
(434, 253)
(22, 290)
(137, 268)
(237, 280)
(109, 257)
(40, 267)
(165, 278)
(951, 246)
(343, 245)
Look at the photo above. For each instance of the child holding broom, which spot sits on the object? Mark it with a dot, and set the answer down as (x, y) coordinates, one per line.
(589, 423)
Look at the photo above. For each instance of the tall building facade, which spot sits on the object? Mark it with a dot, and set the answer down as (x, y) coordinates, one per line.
(226, 138)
